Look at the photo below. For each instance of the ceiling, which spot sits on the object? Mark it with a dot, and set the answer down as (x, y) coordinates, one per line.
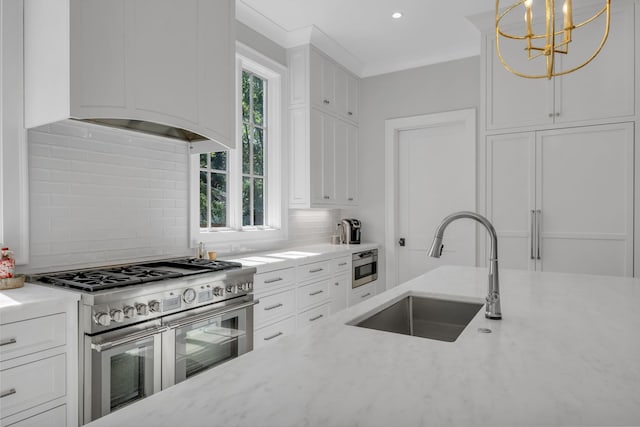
(362, 36)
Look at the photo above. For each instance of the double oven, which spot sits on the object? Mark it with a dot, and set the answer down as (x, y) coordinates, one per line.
(124, 366)
(145, 327)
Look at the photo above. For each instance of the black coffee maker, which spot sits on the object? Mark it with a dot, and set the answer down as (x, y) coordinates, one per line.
(350, 233)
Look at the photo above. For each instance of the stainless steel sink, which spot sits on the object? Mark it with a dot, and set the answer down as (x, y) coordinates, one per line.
(436, 318)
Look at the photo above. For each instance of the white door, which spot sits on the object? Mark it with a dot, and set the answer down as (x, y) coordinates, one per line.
(436, 177)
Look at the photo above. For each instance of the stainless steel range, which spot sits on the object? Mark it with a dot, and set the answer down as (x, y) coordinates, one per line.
(144, 327)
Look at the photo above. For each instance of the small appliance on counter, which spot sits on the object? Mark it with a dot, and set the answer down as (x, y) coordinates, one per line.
(350, 231)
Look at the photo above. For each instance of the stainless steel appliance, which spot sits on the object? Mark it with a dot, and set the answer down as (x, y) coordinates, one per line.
(145, 327)
(350, 231)
(365, 267)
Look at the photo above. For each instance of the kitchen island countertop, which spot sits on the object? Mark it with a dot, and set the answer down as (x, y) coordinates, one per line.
(567, 352)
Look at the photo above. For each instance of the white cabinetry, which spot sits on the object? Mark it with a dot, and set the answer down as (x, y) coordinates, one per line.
(38, 359)
(14, 214)
(333, 89)
(161, 61)
(274, 315)
(562, 200)
(362, 293)
(603, 90)
(295, 297)
(323, 131)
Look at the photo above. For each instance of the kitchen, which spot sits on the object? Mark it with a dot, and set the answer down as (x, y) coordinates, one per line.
(70, 228)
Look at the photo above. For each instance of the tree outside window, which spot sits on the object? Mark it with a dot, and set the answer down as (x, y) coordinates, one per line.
(214, 186)
(254, 135)
(214, 167)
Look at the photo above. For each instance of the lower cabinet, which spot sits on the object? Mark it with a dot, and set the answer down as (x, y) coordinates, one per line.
(39, 358)
(339, 291)
(32, 384)
(274, 332)
(274, 306)
(296, 297)
(362, 293)
(314, 315)
(53, 417)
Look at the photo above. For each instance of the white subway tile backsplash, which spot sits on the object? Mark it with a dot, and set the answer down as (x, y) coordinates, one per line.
(100, 196)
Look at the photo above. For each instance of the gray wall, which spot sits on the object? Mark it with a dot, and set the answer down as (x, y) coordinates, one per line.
(435, 88)
(257, 41)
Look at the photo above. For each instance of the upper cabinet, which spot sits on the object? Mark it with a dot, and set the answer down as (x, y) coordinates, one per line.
(333, 89)
(323, 131)
(165, 63)
(602, 90)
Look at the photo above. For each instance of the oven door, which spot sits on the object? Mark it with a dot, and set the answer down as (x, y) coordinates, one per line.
(121, 368)
(201, 339)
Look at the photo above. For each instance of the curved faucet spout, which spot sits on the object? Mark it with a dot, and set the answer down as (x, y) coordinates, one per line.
(492, 310)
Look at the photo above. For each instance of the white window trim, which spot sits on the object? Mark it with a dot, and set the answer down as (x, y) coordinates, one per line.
(276, 76)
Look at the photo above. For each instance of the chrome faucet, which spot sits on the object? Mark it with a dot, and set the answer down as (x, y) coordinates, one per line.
(492, 309)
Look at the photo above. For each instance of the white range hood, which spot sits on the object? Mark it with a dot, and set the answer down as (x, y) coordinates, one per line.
(162, 67)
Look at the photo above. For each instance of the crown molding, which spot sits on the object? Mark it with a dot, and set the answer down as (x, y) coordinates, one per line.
(300, 36)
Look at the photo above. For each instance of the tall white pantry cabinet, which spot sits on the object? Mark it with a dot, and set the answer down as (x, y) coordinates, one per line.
(558, 157)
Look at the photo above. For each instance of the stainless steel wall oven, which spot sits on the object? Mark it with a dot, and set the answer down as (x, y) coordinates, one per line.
(365, 267)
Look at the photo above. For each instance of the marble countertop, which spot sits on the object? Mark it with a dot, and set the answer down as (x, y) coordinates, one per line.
(567, 352)
(278, 259)
(32, 300)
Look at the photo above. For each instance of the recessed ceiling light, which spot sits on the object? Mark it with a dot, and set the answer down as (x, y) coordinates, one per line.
(396, 15)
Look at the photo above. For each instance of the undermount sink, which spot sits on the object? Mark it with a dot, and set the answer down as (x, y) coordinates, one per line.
(432, 317)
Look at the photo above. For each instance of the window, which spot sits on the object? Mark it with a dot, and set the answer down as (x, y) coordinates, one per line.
(254, 144)
(213, 189)
(237, 195)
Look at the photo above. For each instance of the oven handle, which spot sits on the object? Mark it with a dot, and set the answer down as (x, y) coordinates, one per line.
(214, 313)
(99, 347)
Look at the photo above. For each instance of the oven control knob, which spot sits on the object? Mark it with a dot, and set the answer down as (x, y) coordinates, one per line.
(189, 295)
(142, 309)
(129, 312)
(117, 315)
(232, 289)
(102, 319)
(218, 291)
(249, 286)
(154, 306)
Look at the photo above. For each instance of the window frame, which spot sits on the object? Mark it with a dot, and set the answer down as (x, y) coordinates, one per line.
(276, 189)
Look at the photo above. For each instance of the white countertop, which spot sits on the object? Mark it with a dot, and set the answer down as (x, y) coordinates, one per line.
(31, 300)
(567, 352)
(290, 257)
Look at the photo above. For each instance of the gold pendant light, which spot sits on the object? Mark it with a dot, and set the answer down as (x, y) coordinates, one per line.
(551, 42)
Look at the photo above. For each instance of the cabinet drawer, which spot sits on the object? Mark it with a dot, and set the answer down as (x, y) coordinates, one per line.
(273, 333)
(312, 294)
(33, 335)
(274, 306)
(362, 293)
(274, 279)
(32, 384)
(341, 265)
(314, 315)
(56, 417)
(307, 272)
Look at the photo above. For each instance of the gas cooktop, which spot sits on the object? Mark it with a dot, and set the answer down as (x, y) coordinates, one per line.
(95, 279)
